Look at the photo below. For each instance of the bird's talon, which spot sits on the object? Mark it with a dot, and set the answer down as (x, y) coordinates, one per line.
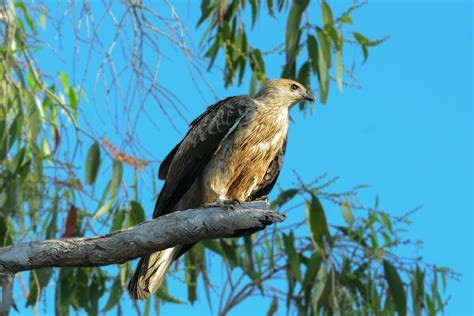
(228, 205)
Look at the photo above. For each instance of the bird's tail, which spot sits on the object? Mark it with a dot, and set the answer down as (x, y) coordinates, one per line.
(150, 273)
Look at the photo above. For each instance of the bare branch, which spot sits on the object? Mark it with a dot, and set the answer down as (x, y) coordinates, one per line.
(177, 228)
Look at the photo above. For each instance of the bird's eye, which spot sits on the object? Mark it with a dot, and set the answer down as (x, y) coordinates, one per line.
(293, 87)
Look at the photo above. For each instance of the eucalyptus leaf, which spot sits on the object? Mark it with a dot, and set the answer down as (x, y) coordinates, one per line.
(396, 287)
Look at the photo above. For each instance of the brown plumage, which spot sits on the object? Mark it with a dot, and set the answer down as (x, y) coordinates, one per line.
(233, 151)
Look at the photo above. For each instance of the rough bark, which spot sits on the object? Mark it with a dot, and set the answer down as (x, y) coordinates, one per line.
(183, 227)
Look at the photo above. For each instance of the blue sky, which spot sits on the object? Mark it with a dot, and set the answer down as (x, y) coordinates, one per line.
(407, 132)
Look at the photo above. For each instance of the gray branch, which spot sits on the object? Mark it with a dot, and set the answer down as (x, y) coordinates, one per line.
(177, 228)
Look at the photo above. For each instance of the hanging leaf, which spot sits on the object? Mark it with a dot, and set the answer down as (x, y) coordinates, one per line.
(396, 288)
(319, 286)
(64, 80)
(42, 20)
(312, 268)
(39, 279)
(293, 257)
(325, 46)
(346, 212)
(293, 24)
(117, 222)
(327, 13)
(317, 223)
(92, 163)
(117, 170)
(136, 214)
(104, 209)
(304, 75)
(324, 59)
(313, 52)
(191, 275)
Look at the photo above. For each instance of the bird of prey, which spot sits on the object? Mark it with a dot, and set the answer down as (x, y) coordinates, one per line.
(232, 152)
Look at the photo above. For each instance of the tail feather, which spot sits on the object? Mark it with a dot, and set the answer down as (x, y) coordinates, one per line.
(150, 273)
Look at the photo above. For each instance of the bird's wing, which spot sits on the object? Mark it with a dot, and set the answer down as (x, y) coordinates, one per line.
(271, 176)
(189, 158)
(165, 164)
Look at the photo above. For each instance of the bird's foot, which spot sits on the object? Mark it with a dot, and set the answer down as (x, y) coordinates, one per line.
(228, 205)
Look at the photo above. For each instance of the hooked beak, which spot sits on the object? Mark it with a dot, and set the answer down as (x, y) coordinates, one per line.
(308, 95)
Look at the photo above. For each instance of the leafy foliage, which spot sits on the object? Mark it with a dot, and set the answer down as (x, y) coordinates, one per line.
(51, 164)
(227, 33)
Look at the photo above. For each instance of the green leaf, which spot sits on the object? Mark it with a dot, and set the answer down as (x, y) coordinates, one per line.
(346, 212)
(249, 249)
(136, 215)
(255, 8)
(313, 52)
(396, 288)
(317, 223)
(117, 222)
(42, 21)
(387, 222)
(304, 75)
(283, 198)
(64, 80)
(327, 13)
(114, 297)
(319, 286)
(331, 31)
(365, 52)
(51, 229)
(257, 64)
(191, 275)
(293, 25)
(324, 61)
(273, 307)
(73, 99)
(325, 46)
(104, 209)
(26, 15)
(293, 257)
(312, 268)
(366, 42)
(39, 279)
(92, 163)
(117, 171)
(345, 19)
(270, 7)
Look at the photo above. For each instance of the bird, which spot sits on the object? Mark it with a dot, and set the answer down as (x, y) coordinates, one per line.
(232, 153)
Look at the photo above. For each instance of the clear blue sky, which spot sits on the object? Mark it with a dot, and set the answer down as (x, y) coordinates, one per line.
(407, 132)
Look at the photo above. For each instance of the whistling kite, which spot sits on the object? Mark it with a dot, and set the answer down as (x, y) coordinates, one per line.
(232, 152)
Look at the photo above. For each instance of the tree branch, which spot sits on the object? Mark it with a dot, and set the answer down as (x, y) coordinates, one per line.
(177, 228)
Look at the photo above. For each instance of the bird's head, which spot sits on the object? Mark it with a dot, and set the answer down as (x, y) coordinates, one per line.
(284, 92)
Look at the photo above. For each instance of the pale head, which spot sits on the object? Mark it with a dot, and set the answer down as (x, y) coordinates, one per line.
(283, 92)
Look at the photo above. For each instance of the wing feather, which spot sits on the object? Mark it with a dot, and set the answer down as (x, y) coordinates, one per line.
(191, 156)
